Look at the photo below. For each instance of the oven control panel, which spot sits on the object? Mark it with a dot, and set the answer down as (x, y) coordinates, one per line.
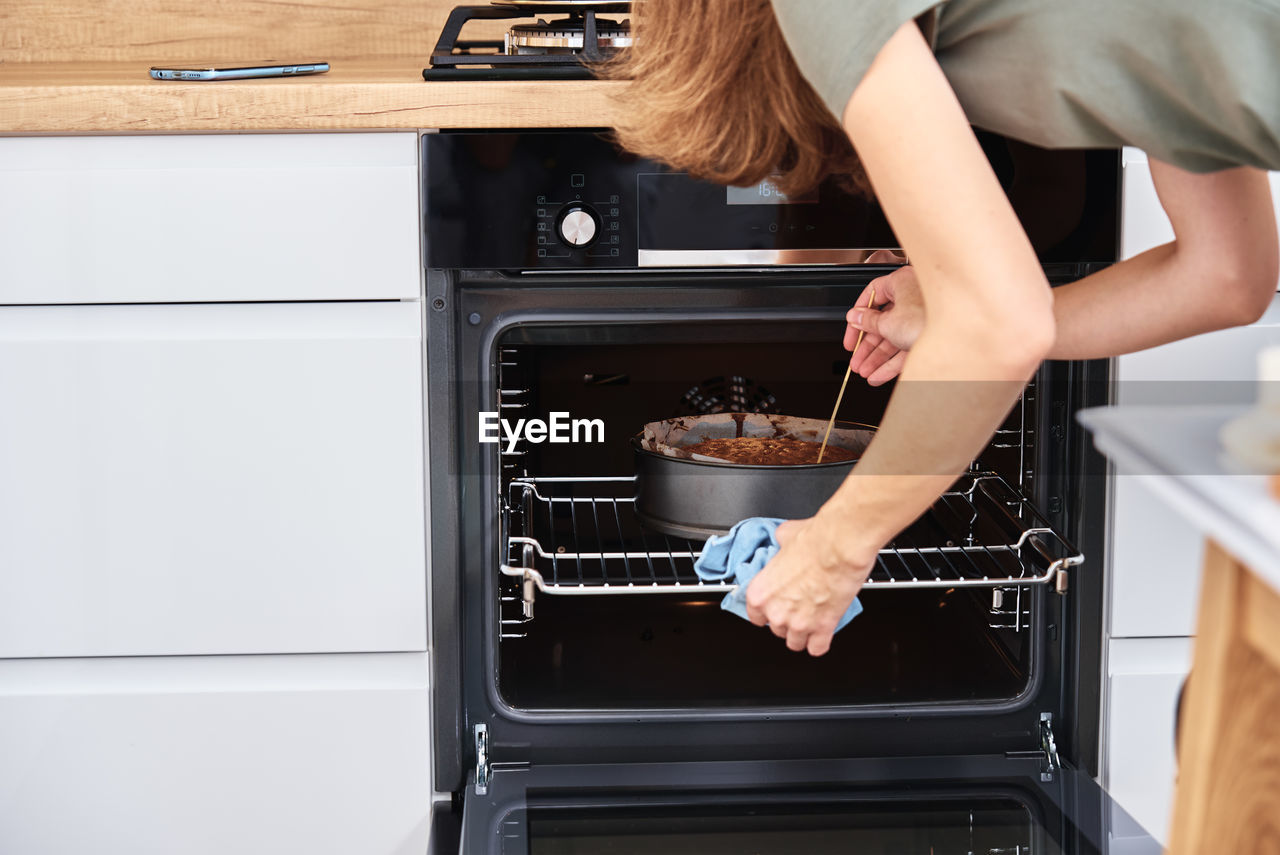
(566, 227)
(579, 226)
(572, 199)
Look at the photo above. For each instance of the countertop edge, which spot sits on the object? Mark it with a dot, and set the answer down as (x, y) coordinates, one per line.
(1223, 505)
(119, 98)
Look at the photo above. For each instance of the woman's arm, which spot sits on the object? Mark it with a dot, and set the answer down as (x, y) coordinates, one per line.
(1220, 271)
(943, 201)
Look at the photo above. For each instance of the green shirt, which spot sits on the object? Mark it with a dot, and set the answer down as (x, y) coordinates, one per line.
(1195, 83)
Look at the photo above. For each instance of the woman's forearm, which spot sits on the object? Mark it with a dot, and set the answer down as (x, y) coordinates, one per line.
(937, 423)
(1220, 272)
(1150, 299)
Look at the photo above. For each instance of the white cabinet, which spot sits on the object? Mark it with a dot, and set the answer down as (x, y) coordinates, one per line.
(211, 442)
(1143, 681)
(211, 479)
(226, 217)
(324, 755)
(1155, 558)
(1143, 222)
(1156, 581)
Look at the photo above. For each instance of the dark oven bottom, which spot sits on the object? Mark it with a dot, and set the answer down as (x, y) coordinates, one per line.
(958, 825)
(646, 652)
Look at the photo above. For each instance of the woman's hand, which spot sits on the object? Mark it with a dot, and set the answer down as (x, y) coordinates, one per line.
(890, 330)
(804, 591)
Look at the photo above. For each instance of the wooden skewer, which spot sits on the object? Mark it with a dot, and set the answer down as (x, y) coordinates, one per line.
(847, 371)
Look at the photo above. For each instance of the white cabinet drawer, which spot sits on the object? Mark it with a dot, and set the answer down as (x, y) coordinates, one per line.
(324, 755)
(227, 217)
(211, 479)
(1144, 678)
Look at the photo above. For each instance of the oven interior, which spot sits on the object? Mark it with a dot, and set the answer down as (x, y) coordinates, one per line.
(578, 644)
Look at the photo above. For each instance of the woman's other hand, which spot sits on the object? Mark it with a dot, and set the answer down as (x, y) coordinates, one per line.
(890, 329)
(806, 588)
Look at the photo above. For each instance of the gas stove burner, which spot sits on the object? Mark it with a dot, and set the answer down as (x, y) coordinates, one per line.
(562, 49)
(564, 37)
(535, 6)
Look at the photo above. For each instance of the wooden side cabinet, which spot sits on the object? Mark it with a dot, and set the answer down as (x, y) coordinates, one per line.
(1228, 792)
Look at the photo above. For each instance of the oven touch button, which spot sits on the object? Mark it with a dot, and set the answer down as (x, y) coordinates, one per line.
(578, 226)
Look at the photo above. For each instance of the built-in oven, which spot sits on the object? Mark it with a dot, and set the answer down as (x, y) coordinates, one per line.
(590, 694)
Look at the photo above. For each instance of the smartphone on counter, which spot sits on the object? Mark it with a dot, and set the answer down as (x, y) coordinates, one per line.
(235, 71)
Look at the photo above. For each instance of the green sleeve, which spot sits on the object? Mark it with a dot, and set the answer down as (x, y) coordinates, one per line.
(835, 41)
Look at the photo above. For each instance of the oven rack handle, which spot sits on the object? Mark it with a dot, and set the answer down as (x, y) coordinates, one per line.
(532, 582)
(1034, 536)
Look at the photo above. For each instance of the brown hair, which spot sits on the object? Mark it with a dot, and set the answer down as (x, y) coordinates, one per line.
(716, 93)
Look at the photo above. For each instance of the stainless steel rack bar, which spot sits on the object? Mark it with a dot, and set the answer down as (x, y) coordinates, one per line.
(580, 536)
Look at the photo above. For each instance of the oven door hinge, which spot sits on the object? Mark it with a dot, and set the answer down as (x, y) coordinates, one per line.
(482, 759)
(1049, 747)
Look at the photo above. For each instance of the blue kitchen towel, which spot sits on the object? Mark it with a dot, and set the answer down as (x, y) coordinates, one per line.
(742, 553)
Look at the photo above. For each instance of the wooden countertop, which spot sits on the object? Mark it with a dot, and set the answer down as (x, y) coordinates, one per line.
(383, 93)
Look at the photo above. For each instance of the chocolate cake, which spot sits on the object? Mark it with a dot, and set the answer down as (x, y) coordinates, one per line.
(768, 450)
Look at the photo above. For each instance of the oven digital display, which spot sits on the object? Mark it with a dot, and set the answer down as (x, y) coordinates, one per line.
(765, 193)
(677, 213)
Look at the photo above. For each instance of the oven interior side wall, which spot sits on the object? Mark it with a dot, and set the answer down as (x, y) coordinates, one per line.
(662, 651)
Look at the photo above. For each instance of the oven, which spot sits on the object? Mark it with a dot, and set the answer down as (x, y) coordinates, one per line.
(590, 694)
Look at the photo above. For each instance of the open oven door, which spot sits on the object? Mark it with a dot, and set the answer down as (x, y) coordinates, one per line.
(975, 805)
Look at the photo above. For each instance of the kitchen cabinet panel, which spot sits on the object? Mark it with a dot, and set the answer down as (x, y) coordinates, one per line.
(1144, 678)
(1143, 222)
(1155, 583)
(231, 217)
(1155, 558)
(210, 755)
(211, 479)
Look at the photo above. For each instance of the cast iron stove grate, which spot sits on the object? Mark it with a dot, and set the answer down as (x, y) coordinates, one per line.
(559, 49)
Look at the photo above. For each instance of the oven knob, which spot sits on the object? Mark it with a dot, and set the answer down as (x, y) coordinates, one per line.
(578, 226)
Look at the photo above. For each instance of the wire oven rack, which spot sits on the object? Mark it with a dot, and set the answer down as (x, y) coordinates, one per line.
(580, 536)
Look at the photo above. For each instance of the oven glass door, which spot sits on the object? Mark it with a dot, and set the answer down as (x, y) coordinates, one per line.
(920, 806)
(561, 677)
